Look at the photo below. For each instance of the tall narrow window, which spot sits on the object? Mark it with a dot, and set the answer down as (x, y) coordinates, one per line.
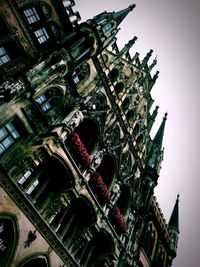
(8, 135)
(106, 27)
(4, 57)
(42, 35)
(32, 187)
(4, 30)
(31, 15)
(25, 177)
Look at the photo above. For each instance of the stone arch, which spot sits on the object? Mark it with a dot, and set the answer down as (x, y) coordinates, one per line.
(129, 72)
(75, 221)
(119, 87)
(107, 169)
(130, 116)
(54, 179)
(124, 199)
(35, 260)
(9, 235)
(105, 58)
(114, 74)
(126, 104)
(88, 131)
(136, 129)
(139, 140)
(100, 250)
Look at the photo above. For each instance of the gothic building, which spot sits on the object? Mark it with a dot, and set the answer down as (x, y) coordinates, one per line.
(78, 167)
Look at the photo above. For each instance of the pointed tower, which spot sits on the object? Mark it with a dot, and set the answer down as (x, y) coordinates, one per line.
(151, 119)
(94, 35)
(105, 27)
(156, 152)
(173, 226)
(158, 139)
(120, 15)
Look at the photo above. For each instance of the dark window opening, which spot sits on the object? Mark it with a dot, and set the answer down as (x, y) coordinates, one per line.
(4, 30)
(9, 51)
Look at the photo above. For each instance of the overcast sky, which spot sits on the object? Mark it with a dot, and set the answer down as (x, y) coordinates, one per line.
(172, 30)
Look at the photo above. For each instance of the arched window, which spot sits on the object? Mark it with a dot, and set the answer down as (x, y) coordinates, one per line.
(107, 169)
(119, 87)
(88, 130)
(72, 223)
(39, 261)
(126, 104)
(114, 74)
(130, 116)
(8, 239)
(124, 199)
(46, 183)
(99, 251)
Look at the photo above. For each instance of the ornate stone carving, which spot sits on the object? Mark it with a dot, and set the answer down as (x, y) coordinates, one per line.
(76, 120)
(115, 193)
(31, 237)
(9, 89)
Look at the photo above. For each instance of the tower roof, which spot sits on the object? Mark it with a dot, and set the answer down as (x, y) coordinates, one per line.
(174, 219)
(120, 15)
(158, 139)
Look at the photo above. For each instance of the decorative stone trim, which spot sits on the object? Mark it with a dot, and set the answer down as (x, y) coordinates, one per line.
(33, 215)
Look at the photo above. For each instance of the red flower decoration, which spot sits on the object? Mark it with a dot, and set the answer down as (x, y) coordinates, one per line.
(101, 187)
(80, 149)
(118, 219)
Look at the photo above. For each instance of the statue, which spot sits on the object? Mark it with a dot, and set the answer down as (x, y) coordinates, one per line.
(76, 119)
(97, 159)
(115, 193)
(31, 237)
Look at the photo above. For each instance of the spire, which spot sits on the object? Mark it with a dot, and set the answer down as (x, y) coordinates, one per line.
(158, 139)
(152, 118)
(174, 219)
(120, 15)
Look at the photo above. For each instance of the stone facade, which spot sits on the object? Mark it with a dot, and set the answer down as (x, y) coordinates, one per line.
(78, 166)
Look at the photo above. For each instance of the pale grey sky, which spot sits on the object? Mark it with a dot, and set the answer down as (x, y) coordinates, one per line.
(172, 30)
